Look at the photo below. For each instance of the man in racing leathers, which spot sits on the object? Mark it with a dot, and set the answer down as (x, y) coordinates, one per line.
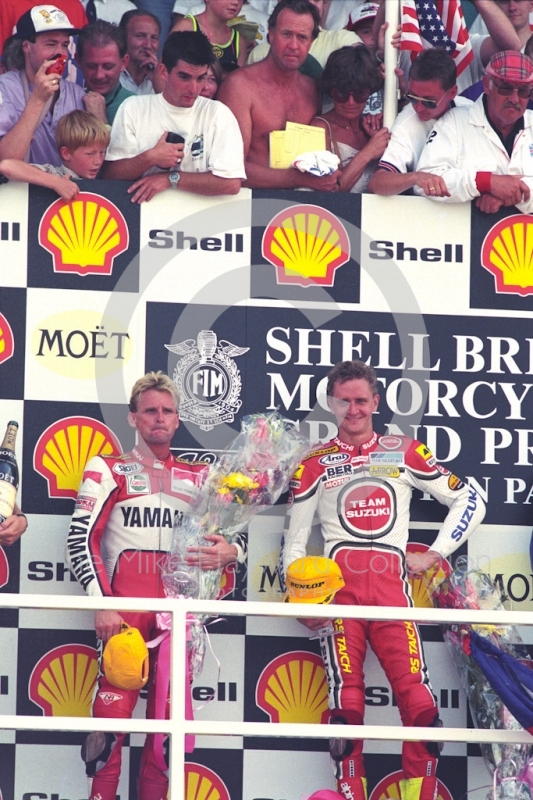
(120, 532)
(359, 486)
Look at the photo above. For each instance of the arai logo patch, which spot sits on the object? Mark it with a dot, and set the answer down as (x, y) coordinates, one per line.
(333, 459)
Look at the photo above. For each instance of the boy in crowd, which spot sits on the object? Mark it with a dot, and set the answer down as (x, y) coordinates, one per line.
(82, 141)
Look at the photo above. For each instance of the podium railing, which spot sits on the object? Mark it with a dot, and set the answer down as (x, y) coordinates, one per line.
(177, 726)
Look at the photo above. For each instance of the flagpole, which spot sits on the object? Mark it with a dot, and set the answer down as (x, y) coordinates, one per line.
(390, 99)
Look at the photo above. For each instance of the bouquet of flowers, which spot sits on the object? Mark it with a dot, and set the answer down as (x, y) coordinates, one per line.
(249, 477)
(507, 763)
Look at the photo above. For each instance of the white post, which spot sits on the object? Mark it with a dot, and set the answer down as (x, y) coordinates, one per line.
(390, 100)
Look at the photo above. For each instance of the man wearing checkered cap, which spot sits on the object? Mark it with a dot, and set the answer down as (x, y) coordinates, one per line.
(485, 152)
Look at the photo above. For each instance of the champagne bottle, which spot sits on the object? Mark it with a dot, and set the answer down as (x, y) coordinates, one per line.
(9, 473)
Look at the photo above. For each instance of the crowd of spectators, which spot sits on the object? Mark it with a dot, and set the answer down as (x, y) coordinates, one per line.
(186, 94)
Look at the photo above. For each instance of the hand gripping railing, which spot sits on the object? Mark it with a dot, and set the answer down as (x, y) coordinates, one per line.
(177, 726)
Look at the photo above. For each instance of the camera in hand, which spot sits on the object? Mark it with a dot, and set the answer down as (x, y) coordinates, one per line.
(58, 66)
(175, 138)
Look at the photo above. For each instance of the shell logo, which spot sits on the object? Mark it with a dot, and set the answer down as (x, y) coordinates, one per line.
(4, 568)
(507, 253)
(306, 244)
(201, 783)
(7, 341)
(84, 236)
(228, 582)
(62, 682)
(421, 584)
(293, 688)
(64, 449)
(389, 788)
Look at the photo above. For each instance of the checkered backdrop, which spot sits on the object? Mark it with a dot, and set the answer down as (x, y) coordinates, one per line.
(438, 298)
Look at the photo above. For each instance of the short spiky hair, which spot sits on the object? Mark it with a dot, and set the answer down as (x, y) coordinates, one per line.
(193, 47)
(153, 380)
(434, 65)
(100, 34)
(349, 371)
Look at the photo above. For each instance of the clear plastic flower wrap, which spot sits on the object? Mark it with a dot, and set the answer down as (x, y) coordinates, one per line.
(468, 588)
(249, 477)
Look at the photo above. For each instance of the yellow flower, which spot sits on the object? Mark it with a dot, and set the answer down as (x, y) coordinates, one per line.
(236, 480)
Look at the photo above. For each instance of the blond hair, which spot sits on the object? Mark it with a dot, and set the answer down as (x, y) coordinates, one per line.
(81, 129)
(153, 380)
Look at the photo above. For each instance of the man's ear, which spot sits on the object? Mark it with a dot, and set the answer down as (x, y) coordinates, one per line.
(453, 92)
(125, 62)
(163, 70)
(131, 420)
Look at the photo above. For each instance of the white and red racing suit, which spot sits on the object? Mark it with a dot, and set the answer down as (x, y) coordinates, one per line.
(361, 497)
(119, 535)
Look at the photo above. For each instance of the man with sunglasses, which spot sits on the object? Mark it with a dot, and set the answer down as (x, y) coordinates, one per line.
(484, 153)
(431, 93)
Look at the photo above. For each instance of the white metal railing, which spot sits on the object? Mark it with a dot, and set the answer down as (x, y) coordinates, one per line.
(177, 726)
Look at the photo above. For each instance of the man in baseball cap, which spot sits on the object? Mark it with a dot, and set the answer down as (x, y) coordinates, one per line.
(34, 99)
(362, 22)
(483, 152)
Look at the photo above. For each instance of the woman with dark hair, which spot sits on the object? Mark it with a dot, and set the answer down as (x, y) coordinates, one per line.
(351, 75)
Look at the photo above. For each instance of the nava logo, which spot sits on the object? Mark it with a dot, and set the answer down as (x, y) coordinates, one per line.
(293, 688)
(7, 341)
(201, 783)
(506, 253)
(62, 682)
(389, 788)
(64, 449)
(421, 585)
(306, 244)
(4, 568)
(84, 236)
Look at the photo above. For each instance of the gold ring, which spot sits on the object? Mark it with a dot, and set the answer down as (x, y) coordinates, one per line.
(432, 189)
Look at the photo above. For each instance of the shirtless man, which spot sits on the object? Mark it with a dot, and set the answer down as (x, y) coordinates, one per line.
(267, 95)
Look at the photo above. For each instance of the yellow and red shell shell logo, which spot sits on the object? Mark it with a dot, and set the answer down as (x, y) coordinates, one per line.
(507, 253)
(201, 783)
(85, 235)
(62, 682)
(306, 244)
(4, 568)
(64, 449)
(228, 581)
(293, 688)
(7, 341)
(421, 584)
(389, 788)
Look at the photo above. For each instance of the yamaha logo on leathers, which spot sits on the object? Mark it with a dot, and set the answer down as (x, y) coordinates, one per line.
(367, 508)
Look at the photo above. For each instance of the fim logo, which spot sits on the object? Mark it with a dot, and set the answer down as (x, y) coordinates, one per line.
(7, 341)
(208, 379)
(201, 783)
(84, 236)
(293, 688)
(64, 449)
(62, 682)
(422, 585)
(389, 788)
(506, 253)
(306, 244)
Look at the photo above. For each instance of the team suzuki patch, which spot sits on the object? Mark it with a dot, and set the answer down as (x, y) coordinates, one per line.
(367, 508)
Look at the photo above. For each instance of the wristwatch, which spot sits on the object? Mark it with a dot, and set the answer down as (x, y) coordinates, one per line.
(174, 178)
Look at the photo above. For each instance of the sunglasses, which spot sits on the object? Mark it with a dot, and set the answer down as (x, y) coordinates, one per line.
(414, 98)
(506, 90)
(343, 97)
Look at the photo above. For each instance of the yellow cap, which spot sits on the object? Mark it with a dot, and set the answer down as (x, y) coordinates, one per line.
(126, 660)
(313, 579)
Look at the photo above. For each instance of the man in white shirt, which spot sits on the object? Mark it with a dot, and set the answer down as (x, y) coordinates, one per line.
(484, 153)
(432, 91)
(209, 160)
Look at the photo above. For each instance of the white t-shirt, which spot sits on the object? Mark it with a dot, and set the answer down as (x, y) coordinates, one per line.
(408, 137)
(213, 141)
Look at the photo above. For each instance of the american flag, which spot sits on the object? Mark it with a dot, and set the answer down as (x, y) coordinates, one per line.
(436, 23)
